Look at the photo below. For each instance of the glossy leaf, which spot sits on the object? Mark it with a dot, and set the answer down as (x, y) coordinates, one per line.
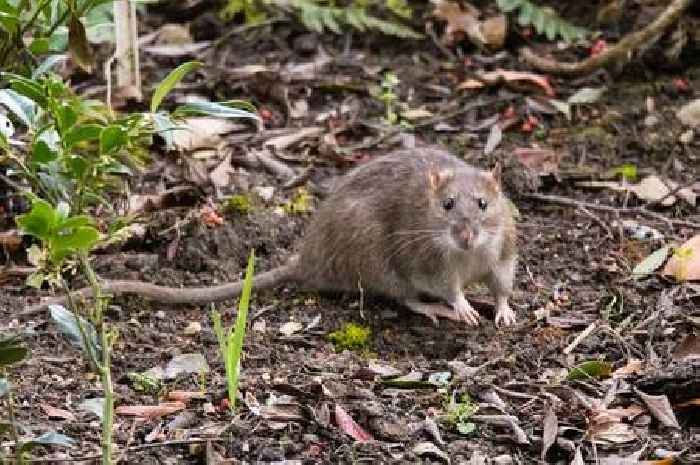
(48, 439)
(20, 106)
(170, 81)
(112, 138)
(214, 109)
(67, 324)
(11, 351)
(40, 220)
(651, 263)
(5, 387)
(590, 369)
(81, 133)
(41, 153)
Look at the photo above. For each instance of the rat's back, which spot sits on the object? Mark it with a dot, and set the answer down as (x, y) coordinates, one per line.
(350, 243)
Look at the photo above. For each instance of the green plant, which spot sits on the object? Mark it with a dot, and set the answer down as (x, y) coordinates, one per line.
(458, 411)
(544, 19)
(323, 15)
(388, 97)
(51, 26)
(350, 336)
(231, 342)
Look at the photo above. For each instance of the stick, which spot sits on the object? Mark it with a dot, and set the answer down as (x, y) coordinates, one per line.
(582, 335)
(622, 50)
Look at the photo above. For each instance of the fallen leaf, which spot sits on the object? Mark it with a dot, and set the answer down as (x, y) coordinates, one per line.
(94, 405)
(612, 432)
(416, 114)
(495, 77)
(10, 240)
(282, 411)
(210, 217)
(282, 142)
(586, 95)
(632, 459)
(495, 137)
(57, 413)
(430, 449)
(590, 369)
(150, 411)
(494, 31)
(689, 114)
(186, 363)
(176, 50)
(221, 175)
(349, 427)
(290, 328)
(684, 264)
(465, 22)
(660, 408)
(688, 349)
(186, 396)
(549, 430)
(633, 367)
(202, 132)
(541, 162)
(651, 263)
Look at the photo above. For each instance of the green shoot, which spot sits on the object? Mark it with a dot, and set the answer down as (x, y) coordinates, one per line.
(231, 343)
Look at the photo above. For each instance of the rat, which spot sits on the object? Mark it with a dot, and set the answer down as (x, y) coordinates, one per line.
(413, 224)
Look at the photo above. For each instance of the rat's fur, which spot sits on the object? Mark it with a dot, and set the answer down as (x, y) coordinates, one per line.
(385, 229)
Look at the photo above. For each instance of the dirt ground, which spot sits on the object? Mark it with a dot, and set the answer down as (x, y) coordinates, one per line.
(574, 270)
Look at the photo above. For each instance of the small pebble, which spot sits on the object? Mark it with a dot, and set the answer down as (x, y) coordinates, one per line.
(651, 121)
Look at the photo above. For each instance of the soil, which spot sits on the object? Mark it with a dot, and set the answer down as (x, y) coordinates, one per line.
(572, 272)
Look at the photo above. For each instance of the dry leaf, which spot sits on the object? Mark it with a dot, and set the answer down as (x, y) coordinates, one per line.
(290, 328)
(660, 408)
(176, 50)
(202, 132)
(221, 175)
(78, 45)
(490, 32)
(541, 161)
(282, 142)
(10, 240)
(349, 427)
(549, 430)
(494, 77)
(684, 264)
(687, 349)
(185, 396)
(57, 413)
(150, 411)
(210, 217)
(632, 367)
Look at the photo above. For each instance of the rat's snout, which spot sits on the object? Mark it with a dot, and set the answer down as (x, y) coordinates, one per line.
(465, 235)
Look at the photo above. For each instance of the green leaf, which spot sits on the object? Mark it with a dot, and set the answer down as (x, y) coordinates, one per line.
(590, 369)
(651, 263)
(22, 107)
(77, 166)
(27, 87)
(80, 134)
(11, 351)
(48, 439)
(508, 5)
(80, 238)
(214, 109)
(551, 28)
(4, 389)
(66, 117)
(112, 138)
(41, 153)
(78, 45)
(562, 106)
(75, 222)
(67, 325)
(39, 46)
(628, 171)
(170, 82)
(40, 220)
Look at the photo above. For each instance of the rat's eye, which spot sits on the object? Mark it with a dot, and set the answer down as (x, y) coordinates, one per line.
(448, 203)
(482, 204)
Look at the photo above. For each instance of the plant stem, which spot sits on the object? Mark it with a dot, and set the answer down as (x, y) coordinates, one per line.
(104, 367)
(13, 427)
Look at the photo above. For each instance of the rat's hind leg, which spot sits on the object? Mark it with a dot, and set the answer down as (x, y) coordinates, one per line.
(432, 311)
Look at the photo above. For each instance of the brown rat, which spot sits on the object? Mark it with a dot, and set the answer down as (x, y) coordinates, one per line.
(411, 224)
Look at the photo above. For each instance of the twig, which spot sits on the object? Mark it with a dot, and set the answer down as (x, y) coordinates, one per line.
(582, 335)
(557, 199)
(622, 50)
(600, 222)
(85, 458)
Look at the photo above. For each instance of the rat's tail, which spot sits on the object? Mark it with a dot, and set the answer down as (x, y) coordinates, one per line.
(175, 295)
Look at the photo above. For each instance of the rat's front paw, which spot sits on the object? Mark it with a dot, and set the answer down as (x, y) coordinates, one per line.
(466, 312)
(505, 316)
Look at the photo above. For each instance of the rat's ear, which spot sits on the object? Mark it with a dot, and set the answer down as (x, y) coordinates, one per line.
(438, 177)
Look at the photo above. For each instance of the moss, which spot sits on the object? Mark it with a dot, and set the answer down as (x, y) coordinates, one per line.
(350, 336)
(301, 203)
(239, 204)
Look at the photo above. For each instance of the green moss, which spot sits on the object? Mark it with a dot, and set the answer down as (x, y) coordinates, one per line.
(239, 204)
(350, 336)
(301, 203)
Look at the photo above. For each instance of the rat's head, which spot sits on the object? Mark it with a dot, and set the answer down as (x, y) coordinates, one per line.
(468, 203)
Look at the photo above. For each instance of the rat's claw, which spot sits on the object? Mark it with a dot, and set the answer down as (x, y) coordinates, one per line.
(505, 316)
(466, 312)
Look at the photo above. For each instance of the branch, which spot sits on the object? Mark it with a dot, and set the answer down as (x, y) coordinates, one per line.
(621, 50)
